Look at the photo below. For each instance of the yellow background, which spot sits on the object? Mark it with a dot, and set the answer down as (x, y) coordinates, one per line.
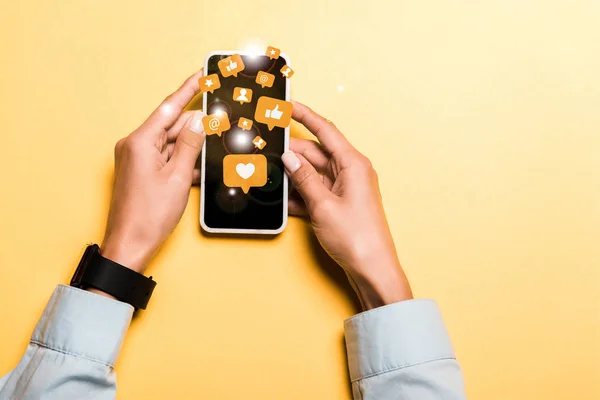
(482, 119)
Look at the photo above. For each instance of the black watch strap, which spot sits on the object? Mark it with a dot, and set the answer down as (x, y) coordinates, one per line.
(121, 282)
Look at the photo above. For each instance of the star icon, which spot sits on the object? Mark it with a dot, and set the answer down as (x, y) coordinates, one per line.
(245, 124)
(272, 52)
(209, 83)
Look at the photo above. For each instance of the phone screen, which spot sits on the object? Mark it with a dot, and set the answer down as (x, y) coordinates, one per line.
(262, 208)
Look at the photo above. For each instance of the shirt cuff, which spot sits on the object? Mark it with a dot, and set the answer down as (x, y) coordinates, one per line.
(395, 336)
(83, 324)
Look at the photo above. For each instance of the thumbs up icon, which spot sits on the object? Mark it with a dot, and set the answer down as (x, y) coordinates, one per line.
(274, 113)
(231, 65)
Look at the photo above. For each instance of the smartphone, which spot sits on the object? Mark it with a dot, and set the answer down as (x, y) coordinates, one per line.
(226, 209)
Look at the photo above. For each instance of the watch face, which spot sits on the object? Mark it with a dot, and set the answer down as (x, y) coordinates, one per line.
(88, 254)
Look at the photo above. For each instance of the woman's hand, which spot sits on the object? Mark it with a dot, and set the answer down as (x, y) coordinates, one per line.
(154, 170)
(340, 192)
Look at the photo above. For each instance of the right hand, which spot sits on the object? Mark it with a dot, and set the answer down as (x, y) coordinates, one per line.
(340, 193)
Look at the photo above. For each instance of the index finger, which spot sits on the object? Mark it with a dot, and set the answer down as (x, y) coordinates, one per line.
(330, 137)
(173, 105)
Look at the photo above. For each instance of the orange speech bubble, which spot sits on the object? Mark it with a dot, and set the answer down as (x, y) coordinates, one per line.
(272, 52)
(231, 65)
(217, 123)
(245, 124)
(243, 95)
(259, 142)
(209, 83)
(245, 171)
(286, 71)
(265, 79)
(273, 112)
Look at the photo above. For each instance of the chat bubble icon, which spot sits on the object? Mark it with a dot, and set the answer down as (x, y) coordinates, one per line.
(265, 79)
(286, 71)
(245, 124)
(209, 83)
(272, 52)
(243, 95)
(245, 171)
(231, 65)
(217, 123)
(273, 112)
(259, 142)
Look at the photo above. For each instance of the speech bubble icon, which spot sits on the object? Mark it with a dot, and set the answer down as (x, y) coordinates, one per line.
(231, 65)
(273, 112)
(286, 71)
(265, 79)
(245, 124)
(209, 83)
(217, 123)
(259, 142)
(243, 95)
(245, 171)
(272, 52)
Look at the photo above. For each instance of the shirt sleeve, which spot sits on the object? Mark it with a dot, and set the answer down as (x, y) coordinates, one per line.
(73, 349)
(402, 351)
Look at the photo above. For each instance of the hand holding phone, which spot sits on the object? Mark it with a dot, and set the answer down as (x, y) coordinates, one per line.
(154, 169)
(338, 189)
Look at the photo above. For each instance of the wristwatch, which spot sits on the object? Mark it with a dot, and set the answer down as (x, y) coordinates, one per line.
(121, 282)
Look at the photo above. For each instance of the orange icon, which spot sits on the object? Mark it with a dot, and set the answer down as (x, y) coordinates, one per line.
(245, 124)
(215, 124)
(231, 65)
(243, 95)
(209, 83)
(272, 52)
(259, 143)
(273, 112)
(287, 71)
(245, 171)
(265, 79)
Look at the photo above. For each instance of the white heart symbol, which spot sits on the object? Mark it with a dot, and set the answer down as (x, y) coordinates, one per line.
(245, 170)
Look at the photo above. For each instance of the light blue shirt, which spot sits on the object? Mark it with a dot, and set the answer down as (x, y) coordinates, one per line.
(400, 351)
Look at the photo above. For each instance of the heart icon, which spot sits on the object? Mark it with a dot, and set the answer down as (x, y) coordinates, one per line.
(245, 170)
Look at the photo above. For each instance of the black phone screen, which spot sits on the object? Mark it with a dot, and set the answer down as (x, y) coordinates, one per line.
(262, 208)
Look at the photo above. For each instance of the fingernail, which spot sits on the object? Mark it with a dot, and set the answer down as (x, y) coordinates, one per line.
(196, 122)
(291, 161)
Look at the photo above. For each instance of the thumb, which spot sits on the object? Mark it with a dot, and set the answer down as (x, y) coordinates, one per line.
(188, 144)
(305, 178)
(276, 107)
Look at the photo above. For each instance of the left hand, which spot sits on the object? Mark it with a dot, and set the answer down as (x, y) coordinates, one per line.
(154, 170)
